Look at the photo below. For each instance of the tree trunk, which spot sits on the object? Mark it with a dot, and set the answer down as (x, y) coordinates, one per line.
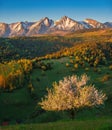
(72, 113)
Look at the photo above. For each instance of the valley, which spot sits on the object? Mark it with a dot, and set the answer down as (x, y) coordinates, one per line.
(30, 65)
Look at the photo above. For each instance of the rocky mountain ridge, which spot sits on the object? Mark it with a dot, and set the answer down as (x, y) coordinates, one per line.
(46, 26)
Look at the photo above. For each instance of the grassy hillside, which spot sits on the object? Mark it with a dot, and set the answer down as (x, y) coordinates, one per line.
(23, 82)
(24, 102)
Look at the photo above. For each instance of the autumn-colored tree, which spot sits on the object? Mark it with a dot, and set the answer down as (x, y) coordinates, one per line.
(72, 93)
(2, 81)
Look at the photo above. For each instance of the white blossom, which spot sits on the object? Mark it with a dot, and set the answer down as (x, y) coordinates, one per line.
(72, 92)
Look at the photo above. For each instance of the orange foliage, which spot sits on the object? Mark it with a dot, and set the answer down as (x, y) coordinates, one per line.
(2, 81)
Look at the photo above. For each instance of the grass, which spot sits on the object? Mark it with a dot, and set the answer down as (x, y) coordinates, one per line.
(20, 105)
(94, 124)
(16, 105)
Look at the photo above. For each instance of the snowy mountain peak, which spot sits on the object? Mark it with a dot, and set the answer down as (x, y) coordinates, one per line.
(4, 30)
(65, 23)
(46, 21)
(40, 27)
(108, 24)
(90, 20)
(93, 23)
(65, 18)
(17, 29)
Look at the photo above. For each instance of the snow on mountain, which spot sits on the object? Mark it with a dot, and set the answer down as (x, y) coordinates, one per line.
(46, 25)
(94, 23)
(86, 25)
(4, 30)
(66, 24)
(18, 29)
(108, 24)
(40, 27)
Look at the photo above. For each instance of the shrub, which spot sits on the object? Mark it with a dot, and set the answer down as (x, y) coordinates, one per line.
(76, 66)
(44, 67)
(86, 68)
(110, 67)
(105, 78)
(67, 65)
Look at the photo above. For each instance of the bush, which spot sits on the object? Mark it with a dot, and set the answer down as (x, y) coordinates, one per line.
(76, 66)
(44, 67)
(105, 78)
(67, 64)
(87, 69)
(110, 67)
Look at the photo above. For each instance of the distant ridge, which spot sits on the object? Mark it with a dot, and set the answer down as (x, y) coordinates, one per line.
(49, 26)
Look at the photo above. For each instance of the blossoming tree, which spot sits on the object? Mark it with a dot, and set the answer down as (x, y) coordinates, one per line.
(72, 93)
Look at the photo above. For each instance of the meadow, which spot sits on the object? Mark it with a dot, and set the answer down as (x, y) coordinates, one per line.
(96, 124)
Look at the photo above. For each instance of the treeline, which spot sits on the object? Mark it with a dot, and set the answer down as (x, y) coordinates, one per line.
(86, 54)
(30, 47)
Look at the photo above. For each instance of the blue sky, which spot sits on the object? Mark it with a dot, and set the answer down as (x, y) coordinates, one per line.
(33, 10)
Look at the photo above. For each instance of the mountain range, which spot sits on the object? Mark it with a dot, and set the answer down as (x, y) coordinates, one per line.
(49, 26)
